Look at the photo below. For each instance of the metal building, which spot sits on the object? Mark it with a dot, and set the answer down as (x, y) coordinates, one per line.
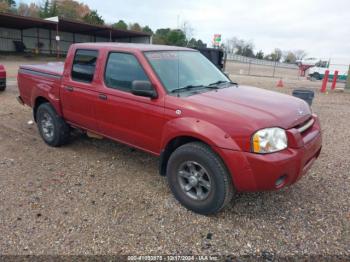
(52, 36)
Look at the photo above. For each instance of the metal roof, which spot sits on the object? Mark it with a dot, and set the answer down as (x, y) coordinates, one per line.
(24, 22)
(66, 25)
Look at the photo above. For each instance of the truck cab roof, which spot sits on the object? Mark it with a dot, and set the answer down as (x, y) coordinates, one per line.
(56, 68)
(131, 47)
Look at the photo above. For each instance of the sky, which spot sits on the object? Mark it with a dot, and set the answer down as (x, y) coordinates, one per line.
(320, 27)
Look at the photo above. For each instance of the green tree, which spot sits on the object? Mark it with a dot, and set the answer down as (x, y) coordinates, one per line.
(93, 18)
(167, 36)
(53, 9)
(135, 27)
(68, 9)
(120, 25)
(260, 55)
(200, 43)
(147, 29)
(276, 55)
(45, 10)
(290, 58)
(176, 37)
(31, 10)
(11, 3)
(8, 6)
(245, 48)
(4, 7)
(72, 9)
(160, 36)
(193, 43)
(241, 47)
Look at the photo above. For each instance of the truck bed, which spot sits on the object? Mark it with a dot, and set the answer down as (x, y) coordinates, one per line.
(42, 80)
(51, 68)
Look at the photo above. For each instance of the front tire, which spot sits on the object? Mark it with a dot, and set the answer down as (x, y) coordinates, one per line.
(199, 179)
(52, 128)
(317, 76)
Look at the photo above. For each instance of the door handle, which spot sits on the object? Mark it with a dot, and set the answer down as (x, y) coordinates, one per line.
(102, 96)
(69, 88)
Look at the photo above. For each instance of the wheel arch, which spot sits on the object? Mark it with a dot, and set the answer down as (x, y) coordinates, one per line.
(178, 141)
(38, 101)
(180, 131)
(170, 147)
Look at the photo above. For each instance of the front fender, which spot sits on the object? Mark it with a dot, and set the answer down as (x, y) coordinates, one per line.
(200, 129)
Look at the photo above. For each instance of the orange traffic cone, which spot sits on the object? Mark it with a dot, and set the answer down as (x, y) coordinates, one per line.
(280, 83)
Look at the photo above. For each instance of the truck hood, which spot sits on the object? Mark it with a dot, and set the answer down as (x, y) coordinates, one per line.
(253, 107)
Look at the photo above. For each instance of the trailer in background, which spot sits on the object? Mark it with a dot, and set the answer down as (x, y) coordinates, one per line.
(215, 55)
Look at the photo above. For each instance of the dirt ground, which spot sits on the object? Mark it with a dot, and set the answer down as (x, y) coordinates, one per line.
(100, 197)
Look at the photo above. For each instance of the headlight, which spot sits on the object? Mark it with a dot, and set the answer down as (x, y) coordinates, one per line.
(269, 140)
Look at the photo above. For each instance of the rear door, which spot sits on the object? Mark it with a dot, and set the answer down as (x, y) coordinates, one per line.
(78, 93)
(131, 119)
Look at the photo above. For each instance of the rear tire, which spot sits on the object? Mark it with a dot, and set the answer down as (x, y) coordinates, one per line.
(2, 88)
(52, 128)
(199, 179)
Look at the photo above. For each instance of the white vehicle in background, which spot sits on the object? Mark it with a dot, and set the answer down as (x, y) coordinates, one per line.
(318, 72)
(311, 61)
(317, 68)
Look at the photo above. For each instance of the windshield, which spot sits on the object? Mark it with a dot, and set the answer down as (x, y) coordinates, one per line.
(180, 69)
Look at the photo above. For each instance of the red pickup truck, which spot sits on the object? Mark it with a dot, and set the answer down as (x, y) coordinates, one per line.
(214, 137)
(2, 78)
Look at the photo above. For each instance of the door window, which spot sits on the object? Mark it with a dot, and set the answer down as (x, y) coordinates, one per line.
(121, 70)
(84, 64)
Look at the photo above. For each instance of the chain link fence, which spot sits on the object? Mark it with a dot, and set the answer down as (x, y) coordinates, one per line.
(236, 64)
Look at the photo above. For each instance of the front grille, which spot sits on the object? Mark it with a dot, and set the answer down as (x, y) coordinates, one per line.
(306, 125)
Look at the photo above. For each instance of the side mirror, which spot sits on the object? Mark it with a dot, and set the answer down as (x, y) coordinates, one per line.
(143, 88)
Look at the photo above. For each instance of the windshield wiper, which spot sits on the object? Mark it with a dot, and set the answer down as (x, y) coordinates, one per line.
(222, 82)
(189, 87)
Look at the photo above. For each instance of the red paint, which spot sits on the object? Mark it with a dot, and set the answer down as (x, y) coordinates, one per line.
(280, 83)
(225, 119)
(325, 81)
(303, 69)
(2, 72)
(334, 83)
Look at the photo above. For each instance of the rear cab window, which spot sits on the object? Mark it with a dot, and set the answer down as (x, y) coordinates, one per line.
(121, 70)
(84, 65)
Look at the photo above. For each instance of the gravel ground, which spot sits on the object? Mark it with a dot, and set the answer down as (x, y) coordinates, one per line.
(100, 197)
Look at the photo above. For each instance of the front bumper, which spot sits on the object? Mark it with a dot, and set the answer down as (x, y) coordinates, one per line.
(256, 172)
